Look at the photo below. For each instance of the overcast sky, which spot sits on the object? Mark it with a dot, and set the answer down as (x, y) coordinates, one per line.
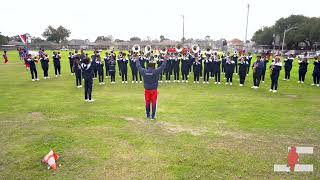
(126, 18)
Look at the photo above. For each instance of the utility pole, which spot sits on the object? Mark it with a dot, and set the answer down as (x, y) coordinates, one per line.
(246, 36)
(182, 29)
(284, 35)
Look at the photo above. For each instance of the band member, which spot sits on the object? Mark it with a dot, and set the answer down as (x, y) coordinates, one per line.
(212, 65)
(5, 57)
(33, 68)
(196, 70)
(94, 64)
(87, 69)
(235, 60)
(159, 63)
(71, 61)
(77, 71)
(119, 61)
(206, 71)
(124, 69)
(265, 62)
(191, 60)
(257, 69)
(112, 69)
(230, 64)
(106, 63)
(316, 72)
(134, 69)
(56, 63)
(100, 66)
(303, 68)
(274, 74)
(249, 58)
(176, 68)
(223, 62)
(185, 68)
(150, 78)
(287, 67)
(44, 59)
(216, 68)
(243, 66)
(167, 69)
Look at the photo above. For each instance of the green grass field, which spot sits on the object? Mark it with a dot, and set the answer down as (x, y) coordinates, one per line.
(202, 131)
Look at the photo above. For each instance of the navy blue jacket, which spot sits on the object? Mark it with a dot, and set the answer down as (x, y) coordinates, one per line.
(259, 66)
(316, 68)
(151, 76)
(87, 70)
(288, 63)
(303, 66)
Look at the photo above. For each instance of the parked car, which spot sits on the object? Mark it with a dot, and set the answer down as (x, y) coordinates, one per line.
(318, 53)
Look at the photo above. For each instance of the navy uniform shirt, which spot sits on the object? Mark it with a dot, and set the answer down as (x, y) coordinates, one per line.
(150, 76)
(87, 70)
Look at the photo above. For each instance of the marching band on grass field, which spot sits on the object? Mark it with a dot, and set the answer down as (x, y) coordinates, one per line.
(205, 64)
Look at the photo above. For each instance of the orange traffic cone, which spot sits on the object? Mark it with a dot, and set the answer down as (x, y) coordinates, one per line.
(51, 159)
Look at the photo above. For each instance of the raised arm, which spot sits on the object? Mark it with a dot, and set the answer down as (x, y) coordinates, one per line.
(138, 65)
(160, 69)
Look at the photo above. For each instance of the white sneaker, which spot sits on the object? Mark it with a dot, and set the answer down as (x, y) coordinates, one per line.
(226, 83)
(198, 82)
(284, 79)
(302, 82)
(240, 84)
(122, 82)
(219, 82)
(60, 75)
(174, 81)
(182, 81)
(256, 87)
(140, 82)
(215, 82)
(262, 81)
(132, 82)
(312, 84)
(317, 85)
(204, 82)
(45, 78)
(299, 81)
(252, 87)
(92, 100)
(37, 79)
(186, 81)
(207, 82)
(194, 82)
(274, 91)
(56, 76)
(86, 100)
(100, 83)
(33, 80)
(270, 90)
(178, 81)
(169, 81)
(71, 74)
(48, 77)
(161, 81)
(106, 76)
(78, 86)
(136, 81)
(288, 79)
(126, 82)
(81, 86)
(247, 74)
(230, 84)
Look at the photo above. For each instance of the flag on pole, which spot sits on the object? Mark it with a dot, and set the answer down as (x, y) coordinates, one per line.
(23, 39)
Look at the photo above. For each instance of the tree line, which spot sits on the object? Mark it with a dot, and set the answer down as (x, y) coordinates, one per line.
(305, 33)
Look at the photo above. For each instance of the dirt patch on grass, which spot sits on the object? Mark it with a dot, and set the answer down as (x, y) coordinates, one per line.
(233, 134)
(291, 95)
(35, 115)
(169, 127)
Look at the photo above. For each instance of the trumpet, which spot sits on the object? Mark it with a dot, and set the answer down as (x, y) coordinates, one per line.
(179, 47)
(136, 48)
(195, 48)
(147, 49)
(163, 50)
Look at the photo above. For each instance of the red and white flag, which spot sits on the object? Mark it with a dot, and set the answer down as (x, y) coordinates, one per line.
(23, 39)
(51, 159)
